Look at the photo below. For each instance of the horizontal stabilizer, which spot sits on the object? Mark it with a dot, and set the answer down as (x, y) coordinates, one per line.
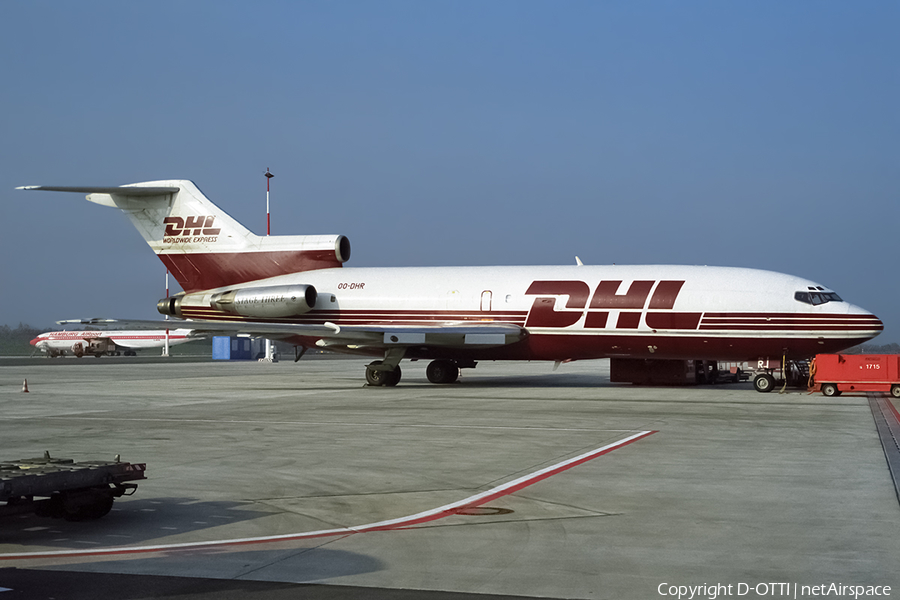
(132, 191)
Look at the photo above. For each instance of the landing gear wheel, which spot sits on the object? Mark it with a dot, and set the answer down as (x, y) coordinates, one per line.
(442, 371)
(764, 383)
(895, 391)
(394, 377)
(829, 389)
(373, 377)
(382, 378)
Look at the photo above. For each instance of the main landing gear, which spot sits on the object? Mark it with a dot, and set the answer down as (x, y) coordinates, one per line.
(382, 373)
(442, 371)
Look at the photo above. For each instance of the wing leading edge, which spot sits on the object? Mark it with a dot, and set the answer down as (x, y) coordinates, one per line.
(447, 335)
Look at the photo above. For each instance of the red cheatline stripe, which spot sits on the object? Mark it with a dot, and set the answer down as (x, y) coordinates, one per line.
(737, 315)
(372, 315)
(788, 321)
(392, 524)
(775, 327)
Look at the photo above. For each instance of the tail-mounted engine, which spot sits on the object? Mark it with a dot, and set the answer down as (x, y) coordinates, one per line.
(170, 306)
(261, 302)
(266, 302)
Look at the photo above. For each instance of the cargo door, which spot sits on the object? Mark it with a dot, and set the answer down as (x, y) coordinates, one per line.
(486, 301)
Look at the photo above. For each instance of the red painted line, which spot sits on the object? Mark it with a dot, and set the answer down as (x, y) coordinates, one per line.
(893, 409)
(389, 525)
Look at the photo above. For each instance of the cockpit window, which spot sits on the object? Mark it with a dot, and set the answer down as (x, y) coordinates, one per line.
(816, 298)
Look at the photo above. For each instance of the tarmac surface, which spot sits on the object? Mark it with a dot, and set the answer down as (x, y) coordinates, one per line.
(297, 481)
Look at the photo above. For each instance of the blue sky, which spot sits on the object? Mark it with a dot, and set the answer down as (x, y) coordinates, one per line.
(761, 134)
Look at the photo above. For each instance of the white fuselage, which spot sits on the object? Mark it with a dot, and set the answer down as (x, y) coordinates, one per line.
(571, 312)
(64, 341)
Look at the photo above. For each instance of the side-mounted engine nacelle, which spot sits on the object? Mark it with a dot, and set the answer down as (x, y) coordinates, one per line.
(261, 302)
(171, 306)
(273, 301)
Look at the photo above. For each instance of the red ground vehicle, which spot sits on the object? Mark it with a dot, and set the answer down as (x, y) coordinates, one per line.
(836, 373)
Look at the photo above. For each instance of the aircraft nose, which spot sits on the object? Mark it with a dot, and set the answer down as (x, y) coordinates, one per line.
(866, 318)
(877, 322)
(34, 341)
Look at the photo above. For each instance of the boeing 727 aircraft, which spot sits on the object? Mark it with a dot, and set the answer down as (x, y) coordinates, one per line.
(295, 288)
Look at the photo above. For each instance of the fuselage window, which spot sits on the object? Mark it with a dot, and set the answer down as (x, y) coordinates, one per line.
(816, 298)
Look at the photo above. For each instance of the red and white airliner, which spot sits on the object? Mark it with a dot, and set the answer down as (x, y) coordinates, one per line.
(295, 288)
(98, 343)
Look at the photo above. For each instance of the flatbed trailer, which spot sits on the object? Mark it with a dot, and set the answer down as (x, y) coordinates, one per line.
(62, 488)
(834, 374)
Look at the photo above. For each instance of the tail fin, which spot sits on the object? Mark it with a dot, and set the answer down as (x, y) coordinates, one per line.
(201, 245)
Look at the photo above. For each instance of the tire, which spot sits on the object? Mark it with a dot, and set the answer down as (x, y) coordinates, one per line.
(394, 377)
(829, 389)
(895, 391)
(764, 383)
(442, 371)
(382, 378)
(99, 509)
(80, 511)
(373, 377)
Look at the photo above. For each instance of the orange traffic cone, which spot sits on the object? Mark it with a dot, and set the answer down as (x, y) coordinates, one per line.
(25, 386)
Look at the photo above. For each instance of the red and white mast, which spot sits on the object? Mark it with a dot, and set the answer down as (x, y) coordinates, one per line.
(270, 350)
(269, 176)
(166, 347)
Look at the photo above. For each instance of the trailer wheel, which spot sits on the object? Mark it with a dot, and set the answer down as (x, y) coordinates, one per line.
(830, 389)
(895, 391)
(91, 511)
(85, 504)
(764, 383)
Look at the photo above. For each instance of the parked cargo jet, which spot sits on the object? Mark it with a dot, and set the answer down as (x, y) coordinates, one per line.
(98, 343)
(295, 288)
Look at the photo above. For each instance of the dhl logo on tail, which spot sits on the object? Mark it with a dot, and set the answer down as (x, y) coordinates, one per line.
(176, 226)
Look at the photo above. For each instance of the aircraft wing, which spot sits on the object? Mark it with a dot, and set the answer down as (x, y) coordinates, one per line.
(456, 334)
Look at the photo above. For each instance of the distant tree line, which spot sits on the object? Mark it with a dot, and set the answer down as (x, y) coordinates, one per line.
(874, 349)
(22, 332)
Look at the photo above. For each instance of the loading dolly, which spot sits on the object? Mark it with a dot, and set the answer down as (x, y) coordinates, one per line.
(63, 488)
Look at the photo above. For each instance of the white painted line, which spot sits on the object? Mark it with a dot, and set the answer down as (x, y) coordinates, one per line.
(390, 524)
